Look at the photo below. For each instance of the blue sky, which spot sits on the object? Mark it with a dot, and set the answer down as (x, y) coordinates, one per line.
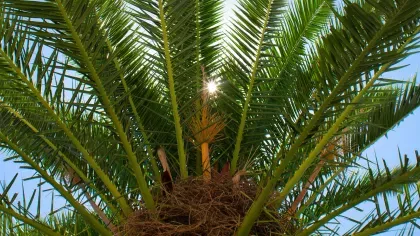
(406, 137)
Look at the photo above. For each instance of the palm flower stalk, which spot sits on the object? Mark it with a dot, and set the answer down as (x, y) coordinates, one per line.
(206, 128)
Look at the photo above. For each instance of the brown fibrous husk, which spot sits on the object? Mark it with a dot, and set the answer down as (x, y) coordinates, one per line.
(196, 207)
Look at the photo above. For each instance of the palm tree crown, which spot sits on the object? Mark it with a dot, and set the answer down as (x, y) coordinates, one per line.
(107, 99)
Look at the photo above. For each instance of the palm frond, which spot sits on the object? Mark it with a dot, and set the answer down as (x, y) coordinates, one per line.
(250, 36)
(363, 188)
(370, 43)
(16, 72)
(88, 90)
(81, 209)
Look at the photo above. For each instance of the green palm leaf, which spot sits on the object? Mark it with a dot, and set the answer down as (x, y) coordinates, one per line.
(88, 90)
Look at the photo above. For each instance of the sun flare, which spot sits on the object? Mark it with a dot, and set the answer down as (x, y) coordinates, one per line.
(211, 87)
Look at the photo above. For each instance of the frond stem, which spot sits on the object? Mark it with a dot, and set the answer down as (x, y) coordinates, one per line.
(89, 158)
(138, 119)
(335, 127)
(177, 119)
(348, 205)
(138, 173)
(259, 203)
(241, 128)
(81, 209)
(390, 224)
(41, 227)
(82, 176)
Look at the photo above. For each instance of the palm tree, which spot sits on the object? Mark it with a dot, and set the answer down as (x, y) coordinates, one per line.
(89, 89)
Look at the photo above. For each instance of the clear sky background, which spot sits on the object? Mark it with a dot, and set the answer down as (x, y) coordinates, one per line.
(406, 137)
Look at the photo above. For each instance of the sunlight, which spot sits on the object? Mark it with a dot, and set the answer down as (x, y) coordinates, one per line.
(212, 87)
